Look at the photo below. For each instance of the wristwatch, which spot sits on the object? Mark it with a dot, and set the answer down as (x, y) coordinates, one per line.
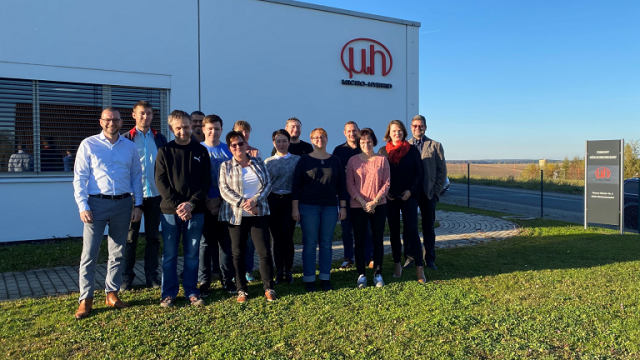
(140, 207)
(193, 206)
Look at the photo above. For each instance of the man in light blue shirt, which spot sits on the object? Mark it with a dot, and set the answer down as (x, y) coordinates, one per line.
(106, 172)
(216, 246)
(147, 141)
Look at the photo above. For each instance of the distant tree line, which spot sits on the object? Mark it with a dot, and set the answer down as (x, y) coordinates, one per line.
(574, 169)
(567, 169)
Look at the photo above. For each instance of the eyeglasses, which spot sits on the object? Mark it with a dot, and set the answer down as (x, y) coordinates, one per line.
(236, 145)
(417, 126)
(318, 137)
(115, 120)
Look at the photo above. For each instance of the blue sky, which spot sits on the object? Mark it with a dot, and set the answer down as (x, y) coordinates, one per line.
(507, 79)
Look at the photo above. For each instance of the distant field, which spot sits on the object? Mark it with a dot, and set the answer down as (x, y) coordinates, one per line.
(487, 170)
(511, 176)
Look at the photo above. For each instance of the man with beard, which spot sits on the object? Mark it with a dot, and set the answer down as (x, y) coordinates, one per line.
(435, 175)
(107, 171)
(196, 118)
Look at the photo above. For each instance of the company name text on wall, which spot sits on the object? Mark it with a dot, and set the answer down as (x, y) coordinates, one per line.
(367, 83)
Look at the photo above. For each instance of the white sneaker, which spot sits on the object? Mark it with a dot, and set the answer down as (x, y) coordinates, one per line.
(362, 282)
(378, 280)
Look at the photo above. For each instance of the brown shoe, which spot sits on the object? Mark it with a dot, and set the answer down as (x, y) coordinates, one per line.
(242, 297)
(398, 271)
(113, 301)
(420, 274)
(270, 295)
(196, 300)
(371, 264)
(84, 309)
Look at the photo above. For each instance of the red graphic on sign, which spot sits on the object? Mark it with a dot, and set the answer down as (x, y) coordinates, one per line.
(603, 173)
(373, 50)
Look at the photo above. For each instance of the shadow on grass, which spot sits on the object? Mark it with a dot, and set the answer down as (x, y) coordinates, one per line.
(538, 249)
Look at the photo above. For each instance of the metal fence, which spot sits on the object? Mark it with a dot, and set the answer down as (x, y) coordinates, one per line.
(526, 190)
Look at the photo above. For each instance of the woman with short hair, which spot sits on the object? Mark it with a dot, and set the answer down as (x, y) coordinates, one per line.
(318, 184)
(368, 184)
(244, 127)
(281, 167)
(406, 179)
(244, 186)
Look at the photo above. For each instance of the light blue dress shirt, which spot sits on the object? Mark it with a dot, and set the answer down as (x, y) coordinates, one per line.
(148, 151)
(108, 169)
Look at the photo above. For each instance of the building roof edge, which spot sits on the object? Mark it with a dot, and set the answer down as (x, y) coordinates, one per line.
(344, 12)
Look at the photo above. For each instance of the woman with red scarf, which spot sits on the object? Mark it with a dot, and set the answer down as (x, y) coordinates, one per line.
(406, 179)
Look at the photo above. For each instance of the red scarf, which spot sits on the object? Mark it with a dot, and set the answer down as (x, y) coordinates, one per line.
(397, 152)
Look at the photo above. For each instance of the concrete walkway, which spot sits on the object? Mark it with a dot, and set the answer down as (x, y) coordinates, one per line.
(456, 229)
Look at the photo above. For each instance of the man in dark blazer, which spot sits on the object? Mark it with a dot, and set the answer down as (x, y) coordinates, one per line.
(435, 175)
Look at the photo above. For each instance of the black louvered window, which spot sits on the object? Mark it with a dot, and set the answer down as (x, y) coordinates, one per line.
(42, 122)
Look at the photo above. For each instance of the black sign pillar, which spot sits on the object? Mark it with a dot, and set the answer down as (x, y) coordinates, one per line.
(603, 185)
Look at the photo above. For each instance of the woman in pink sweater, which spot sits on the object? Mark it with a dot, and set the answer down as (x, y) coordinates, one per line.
(368, 178)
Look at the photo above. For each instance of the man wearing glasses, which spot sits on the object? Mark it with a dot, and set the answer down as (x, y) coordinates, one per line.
(106, 172)
(435, 175)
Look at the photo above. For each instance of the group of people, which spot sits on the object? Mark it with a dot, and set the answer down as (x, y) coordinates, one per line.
(226, 202)
(50, 159)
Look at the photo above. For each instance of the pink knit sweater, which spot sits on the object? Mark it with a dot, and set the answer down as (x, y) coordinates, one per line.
(369, 179)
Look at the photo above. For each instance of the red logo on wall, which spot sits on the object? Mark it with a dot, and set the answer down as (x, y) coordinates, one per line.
(366, 53)
(603, 173)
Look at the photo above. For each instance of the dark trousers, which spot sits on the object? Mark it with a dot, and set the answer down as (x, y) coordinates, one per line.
(152, 249)
(428, 212)
(347, 238)
(410, 234)
(258, 226)
(360, 219)
(215, 251)
(282, 227)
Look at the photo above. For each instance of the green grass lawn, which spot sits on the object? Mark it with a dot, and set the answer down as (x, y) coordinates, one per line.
(554, 291)
(66, 252)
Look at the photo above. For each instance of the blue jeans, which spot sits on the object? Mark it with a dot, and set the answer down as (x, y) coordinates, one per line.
(191, 231)
(318, 224)
(347, 238)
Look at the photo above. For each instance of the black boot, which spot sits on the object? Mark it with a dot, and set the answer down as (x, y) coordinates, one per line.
(288, 276)
(310, 286)
(279, 276)
(326, 285)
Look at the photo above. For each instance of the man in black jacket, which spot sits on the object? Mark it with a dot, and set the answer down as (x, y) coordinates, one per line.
(148, 141)
(183, 178)
(296, 146)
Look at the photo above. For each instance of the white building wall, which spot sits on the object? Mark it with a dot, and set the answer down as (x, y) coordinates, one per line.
(140, 43)
(260, 61)
(265, 62)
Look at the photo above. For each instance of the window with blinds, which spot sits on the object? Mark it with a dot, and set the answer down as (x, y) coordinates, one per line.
(42, 123)
(16, 125)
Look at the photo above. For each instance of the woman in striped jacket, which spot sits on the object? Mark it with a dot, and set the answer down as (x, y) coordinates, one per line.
(244, 187)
